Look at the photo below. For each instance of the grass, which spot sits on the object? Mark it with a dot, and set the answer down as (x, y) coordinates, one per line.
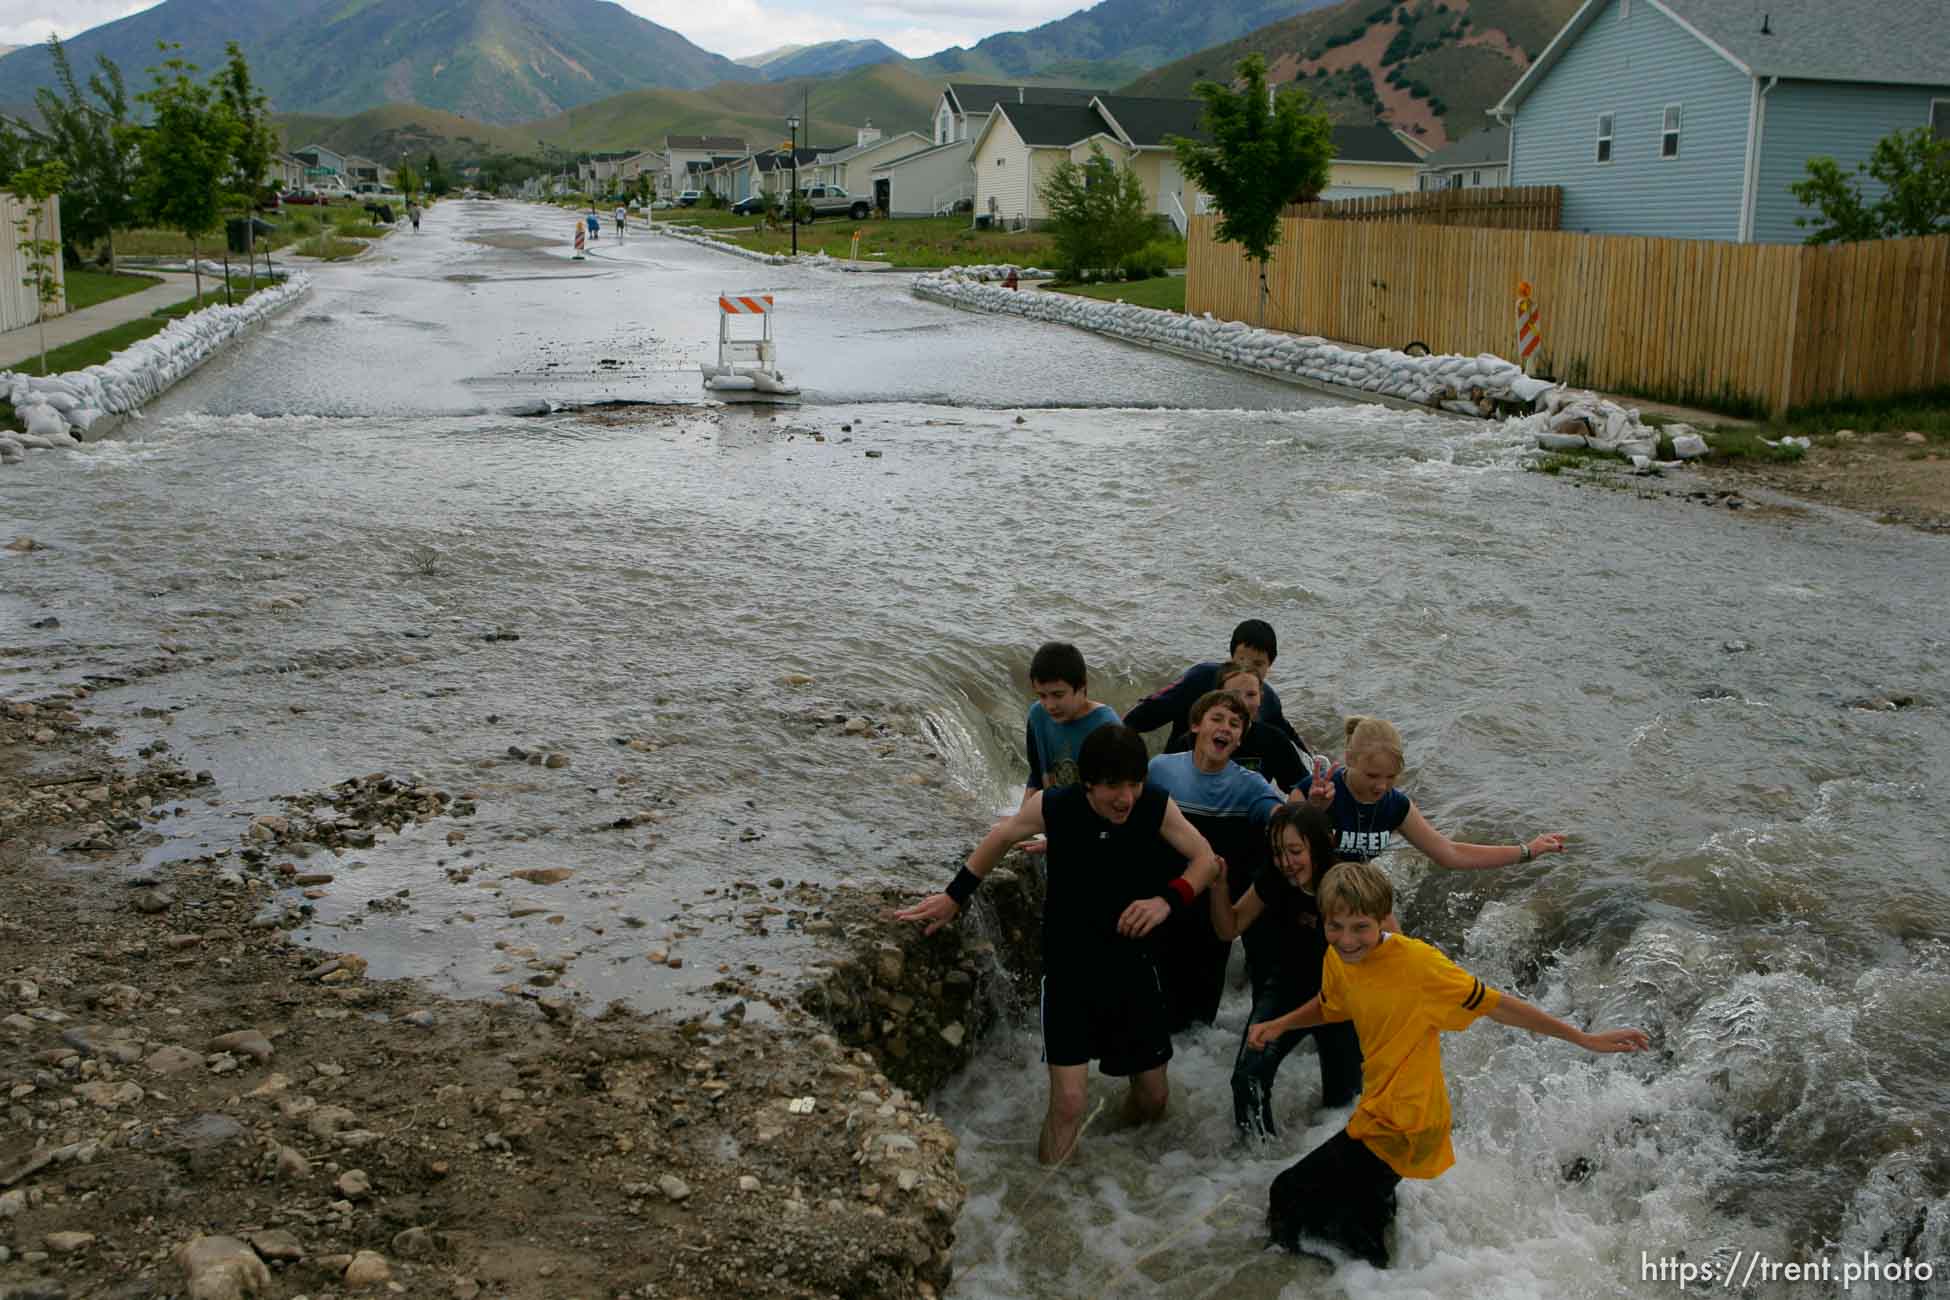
(918, 242)
(329, 248)
(1167, 293)
(1925, 413)
(89, 288)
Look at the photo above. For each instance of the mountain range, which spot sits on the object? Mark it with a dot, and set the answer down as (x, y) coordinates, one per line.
(466, 77)
(498, 60)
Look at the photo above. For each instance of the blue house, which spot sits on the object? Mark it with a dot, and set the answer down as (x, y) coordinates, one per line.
(1690, 118)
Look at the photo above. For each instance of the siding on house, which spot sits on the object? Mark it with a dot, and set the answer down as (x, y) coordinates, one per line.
(1372, 178)
(919, 180)
(1632, 62)
(1843, 120)
(1002, 172)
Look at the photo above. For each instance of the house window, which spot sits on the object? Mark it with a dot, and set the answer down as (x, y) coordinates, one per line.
(1940, 118)
(1476, 178)
(1604, 137)
(1669, 133)
(1624, 10)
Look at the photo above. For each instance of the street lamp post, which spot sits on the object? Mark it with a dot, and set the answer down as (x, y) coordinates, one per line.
(792, 207)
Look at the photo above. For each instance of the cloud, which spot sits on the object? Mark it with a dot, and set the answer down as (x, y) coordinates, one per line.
(29, 22)
(916, 28)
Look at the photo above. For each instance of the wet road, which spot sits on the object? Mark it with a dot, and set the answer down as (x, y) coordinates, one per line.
(328, 522)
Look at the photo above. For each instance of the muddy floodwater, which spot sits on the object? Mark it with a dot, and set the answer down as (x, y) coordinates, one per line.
(334, 551)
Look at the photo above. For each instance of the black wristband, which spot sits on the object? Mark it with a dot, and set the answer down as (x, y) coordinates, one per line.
(963, 887)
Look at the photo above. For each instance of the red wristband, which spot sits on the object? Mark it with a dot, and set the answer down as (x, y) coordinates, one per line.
(1181, 889)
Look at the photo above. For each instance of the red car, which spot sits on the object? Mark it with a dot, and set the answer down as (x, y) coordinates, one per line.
(305, 196)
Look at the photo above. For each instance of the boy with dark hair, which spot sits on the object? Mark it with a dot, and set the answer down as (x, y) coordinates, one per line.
(1112, 877)
(1229, 806)
(1062, 717)
(1263, 749)
(1254, 645)
(1400, 993)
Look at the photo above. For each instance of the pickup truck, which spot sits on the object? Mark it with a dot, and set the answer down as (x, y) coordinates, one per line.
(832, 201)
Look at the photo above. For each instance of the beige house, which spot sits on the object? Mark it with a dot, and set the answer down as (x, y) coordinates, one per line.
(680, 151)
(852, 168)
(965, 106)
(1020, 144)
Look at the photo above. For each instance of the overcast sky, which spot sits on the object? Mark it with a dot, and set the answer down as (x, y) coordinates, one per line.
(730, 27)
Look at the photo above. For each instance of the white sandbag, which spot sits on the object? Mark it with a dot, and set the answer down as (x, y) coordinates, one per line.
(1689, 446)
(43, 421)
(1561, 442)
(84, 419)
(1638, 448)
(1526, 389)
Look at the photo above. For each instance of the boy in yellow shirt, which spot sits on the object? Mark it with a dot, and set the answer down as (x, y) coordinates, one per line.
(1400, 993)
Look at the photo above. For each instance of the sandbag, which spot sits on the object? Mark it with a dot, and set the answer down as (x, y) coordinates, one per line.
(1561, 442)
(43, 421)
(1689, 446)
(84, 419)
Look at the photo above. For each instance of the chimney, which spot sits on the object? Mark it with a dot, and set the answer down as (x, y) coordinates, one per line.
(1765, 30)
(867, 134)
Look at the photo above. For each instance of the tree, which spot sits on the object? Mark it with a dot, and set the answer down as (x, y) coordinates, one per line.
(186, 156)
(1097, 213)
(436, 178)
(1258, 159)
(253, 141)
(408, 181)
(37, 185)
(91, 140)
(1913, 168)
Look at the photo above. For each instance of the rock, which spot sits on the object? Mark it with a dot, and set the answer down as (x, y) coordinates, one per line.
(292, 1167)
(354, 1185)
(747, 1183)
(420, 1019)
(68, 1243)
(414, 1243)
(173, 1060)
(953, 1035)
(222, 1268)
(109, 1095)
(248, 1042)
(856, 726)
(150, 901)
(328, 1121)
(1914, 438)
(1735, 647)
(673, 1187)
(796, 679)
(99, 1041)
(367, 1270)
(209, 1130)
(543, 875)
(277, 1246)
(556, 760)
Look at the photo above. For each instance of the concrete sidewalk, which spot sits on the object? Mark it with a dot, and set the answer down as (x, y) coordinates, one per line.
(19, 348)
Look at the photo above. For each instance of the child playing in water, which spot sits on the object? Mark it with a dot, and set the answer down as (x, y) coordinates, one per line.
(1366, 808)
(1399, 993)
(1062, 716)
(1280, 909)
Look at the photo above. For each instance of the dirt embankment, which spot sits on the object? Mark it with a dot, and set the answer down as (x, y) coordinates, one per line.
(1888, 476)
(196, 1105)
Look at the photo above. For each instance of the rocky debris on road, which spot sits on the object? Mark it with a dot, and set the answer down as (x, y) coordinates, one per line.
(201, 1107)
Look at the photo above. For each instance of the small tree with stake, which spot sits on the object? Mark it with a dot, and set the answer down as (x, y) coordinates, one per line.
(186, 156)
(1258, 157)
(252, 140)
(37, 185)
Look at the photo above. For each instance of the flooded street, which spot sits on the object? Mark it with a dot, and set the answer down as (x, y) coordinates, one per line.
(339, 554)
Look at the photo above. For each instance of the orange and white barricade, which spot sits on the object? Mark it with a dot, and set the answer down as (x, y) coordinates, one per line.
(1530, 336)
(747, 368)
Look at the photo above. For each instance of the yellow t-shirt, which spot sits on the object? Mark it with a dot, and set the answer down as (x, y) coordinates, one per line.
(1399, 998)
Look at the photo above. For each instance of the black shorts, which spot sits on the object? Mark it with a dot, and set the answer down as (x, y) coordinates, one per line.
(1113, 1014)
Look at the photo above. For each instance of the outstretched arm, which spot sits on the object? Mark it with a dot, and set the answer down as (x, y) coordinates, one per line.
(1445, 852)
(936, 910)
(1519, 1014)
(1267, 1032)
(1230, 919)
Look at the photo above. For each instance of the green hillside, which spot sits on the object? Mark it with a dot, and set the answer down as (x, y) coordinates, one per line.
(1429, 67)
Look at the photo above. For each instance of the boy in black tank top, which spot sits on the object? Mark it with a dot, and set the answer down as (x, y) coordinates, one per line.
(1112, 873)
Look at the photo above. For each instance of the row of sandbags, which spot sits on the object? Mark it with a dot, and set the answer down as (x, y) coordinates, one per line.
(58, 411)
(693, 237)
(1467, 385)
(1571, 419)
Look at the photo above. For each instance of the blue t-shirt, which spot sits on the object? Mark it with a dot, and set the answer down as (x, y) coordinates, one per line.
(1053, 745)
(1362, 830)
(1231, 792)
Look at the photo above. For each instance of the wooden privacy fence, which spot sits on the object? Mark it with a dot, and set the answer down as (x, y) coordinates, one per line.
(18, 304)
(1521, 207)
(1737, 327)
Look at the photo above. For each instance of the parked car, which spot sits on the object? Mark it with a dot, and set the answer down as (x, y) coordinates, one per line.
(750, 205)
(303, 196)
(832, 201)
(689, 197)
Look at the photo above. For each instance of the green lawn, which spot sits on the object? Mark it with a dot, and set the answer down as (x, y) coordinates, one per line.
(88, 288)
(1167, 293)
(1924, 413)
(919, 242)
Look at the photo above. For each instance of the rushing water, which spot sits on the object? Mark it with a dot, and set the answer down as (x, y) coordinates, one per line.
(320, 531)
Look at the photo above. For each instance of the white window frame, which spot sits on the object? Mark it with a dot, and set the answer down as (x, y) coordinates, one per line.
(1676, 114)
(1624, 11)
(1942, 128)
(1607, 133)
(1476, 178)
